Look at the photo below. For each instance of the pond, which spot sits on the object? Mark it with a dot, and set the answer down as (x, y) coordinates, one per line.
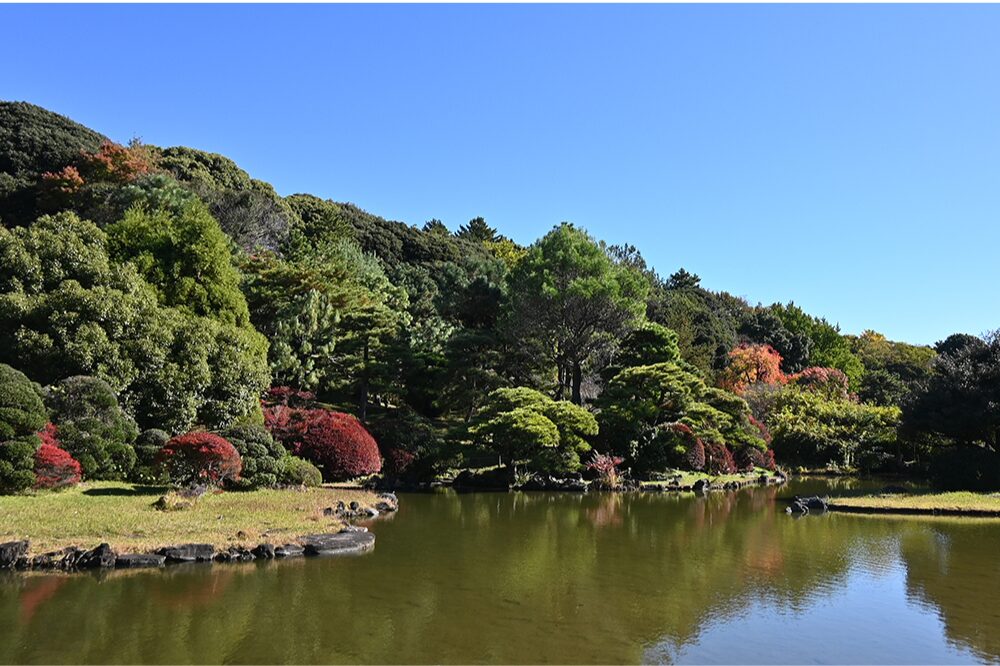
(552, 578)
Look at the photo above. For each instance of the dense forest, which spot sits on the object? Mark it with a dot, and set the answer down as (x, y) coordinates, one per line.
(160, 300)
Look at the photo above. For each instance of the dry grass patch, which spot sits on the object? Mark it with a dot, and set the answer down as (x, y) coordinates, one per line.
(953, 502)
(123, 515)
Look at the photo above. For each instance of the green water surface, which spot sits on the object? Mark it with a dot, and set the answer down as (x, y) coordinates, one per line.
(552, 578)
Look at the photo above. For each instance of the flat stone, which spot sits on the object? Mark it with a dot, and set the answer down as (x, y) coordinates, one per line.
(139, 560)
(188, 552)
(289, 550)
(11, 552)
(342, 543)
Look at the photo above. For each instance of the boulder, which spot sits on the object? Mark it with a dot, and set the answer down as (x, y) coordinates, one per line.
(264, 551)
(101, 557)
(188, 552)
(701, 485)
(341, 543)
(70, 557)
(11, 551)
(804, 505)
(139, 560)
(289, 550)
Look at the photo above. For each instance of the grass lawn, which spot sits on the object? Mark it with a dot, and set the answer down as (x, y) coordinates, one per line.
(122, 515)
(945, 503)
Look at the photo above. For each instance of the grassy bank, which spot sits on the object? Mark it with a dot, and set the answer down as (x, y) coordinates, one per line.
(684, 478)
(953, 503)
(123, 515)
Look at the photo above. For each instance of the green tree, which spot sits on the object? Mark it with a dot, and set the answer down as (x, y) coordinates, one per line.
(92, 426)
(22, 414)
(477, 231)
(570, 300)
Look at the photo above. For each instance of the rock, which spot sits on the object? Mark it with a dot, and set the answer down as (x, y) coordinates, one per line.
(701, 485)
(70, 557)
(804, 505)
(354, 528)
(494, 479)
(387, 502)
(101, 557)
(341, 543)
(264, 551)
(354, 506)
(11, 551)
(139, 560)
(189, 552)
(289, 550)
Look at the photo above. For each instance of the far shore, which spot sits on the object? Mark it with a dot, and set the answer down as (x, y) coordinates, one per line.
(961, 503)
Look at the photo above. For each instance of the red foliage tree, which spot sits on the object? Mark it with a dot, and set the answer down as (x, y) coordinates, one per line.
(749, 365)
(831, 382)
(337, 443)
(718, 459)
(117, 163)
(54, 467)
(200, 457)
(397, 462)
(769, 462)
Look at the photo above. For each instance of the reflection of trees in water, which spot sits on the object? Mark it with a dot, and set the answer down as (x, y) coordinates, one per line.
(523, 577)
(954, 566)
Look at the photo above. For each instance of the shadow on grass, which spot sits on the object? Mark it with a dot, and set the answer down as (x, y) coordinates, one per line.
(134, 491)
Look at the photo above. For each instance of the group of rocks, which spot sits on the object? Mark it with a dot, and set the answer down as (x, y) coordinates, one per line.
(14, 554)
(352, 539)
(806, 505)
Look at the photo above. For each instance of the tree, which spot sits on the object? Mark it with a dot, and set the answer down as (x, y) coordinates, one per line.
(571, 300)
(67, 309)
(524, 426)
(765, 326)
(749, 365)
(92, 426)
(261, 456)
(683, 280)
(22, 414)
(477, 231)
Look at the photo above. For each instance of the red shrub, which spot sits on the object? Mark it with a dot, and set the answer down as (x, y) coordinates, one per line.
(288, 396)
(397, 461)
(285, 424)
(200, 457)
(718, 459)
(696, 455)
(749, 457)
(338, 444)
(769, 462)
(831, 382)
(54, 467)
(607, 470)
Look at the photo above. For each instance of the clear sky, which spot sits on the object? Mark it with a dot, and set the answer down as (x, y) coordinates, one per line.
(844, 157)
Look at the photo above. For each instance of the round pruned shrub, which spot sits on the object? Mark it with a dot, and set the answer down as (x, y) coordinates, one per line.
(262, 456)
(338, 444)
(22, 414)
(54, 467)
(200, 458)
(92, 427)
(718, 459)
(298, 472)
(147, 447)
(696, 455)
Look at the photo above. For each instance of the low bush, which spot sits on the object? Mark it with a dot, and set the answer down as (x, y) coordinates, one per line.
(338, 444)
(260, 453)
(200, 458)
(298, 472)
(608, 474)
(147, 448)
(54, 467)
(22, 413)
(719, 459)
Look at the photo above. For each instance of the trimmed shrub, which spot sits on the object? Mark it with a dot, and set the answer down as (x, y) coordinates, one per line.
(338, 444)
(397, 463)
(298, 472)
(200, 457)
(92, 427)
(718, 459)
(749, 457)
(260, 453)
(147, 447)
(696, 455)
(289, 397)
(22, 413)
(54, 467)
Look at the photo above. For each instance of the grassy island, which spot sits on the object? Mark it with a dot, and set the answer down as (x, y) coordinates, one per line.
(949, 503)
(123, 515)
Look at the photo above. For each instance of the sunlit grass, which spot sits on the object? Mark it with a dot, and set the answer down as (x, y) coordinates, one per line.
(951, 501)
(123, 515)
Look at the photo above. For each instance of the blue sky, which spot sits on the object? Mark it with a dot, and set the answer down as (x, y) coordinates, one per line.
(844, 157)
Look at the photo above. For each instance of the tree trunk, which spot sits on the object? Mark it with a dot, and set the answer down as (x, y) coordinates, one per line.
(577, 381)
(363, 387)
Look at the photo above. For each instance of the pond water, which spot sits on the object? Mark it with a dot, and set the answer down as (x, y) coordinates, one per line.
(552, 578)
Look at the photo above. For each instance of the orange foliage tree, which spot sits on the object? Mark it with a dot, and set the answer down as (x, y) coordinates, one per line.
(749, 365)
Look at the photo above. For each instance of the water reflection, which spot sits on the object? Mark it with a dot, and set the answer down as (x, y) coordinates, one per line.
(551, 578)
